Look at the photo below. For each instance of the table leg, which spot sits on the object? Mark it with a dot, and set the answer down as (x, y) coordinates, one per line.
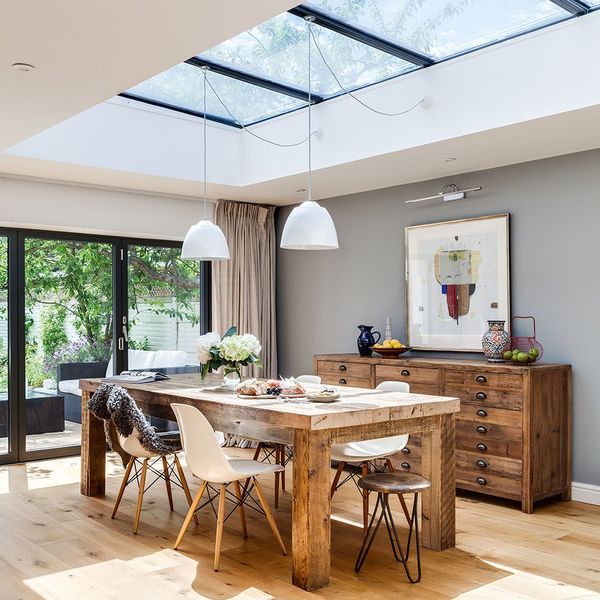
(439, 502)
(93, 451)
(311, 510)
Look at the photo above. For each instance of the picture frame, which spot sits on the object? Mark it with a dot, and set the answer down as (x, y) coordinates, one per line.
(457, 279)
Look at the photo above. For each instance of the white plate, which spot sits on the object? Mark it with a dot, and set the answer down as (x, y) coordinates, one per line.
(261, 397)
(293, 395)
(319, 398)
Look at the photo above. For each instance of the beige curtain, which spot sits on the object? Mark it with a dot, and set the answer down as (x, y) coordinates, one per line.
(243, 288)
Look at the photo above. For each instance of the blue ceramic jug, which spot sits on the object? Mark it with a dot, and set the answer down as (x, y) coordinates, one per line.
(366, 339)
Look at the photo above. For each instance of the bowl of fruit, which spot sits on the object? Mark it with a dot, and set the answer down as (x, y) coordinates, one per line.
(390, 348)
(519, 356)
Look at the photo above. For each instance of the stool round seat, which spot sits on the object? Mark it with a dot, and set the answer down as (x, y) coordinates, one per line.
(394, 483)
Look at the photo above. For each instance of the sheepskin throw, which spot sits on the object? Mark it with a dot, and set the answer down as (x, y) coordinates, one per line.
(112, 403)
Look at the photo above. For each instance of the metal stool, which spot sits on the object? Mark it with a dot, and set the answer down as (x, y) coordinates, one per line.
(385, 484)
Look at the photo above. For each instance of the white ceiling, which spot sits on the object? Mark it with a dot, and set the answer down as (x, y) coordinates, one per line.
(86, 51)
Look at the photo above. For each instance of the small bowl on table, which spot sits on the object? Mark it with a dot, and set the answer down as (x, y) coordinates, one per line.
(390, 352)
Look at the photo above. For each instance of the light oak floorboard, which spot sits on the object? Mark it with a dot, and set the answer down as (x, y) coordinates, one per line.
(59, 545)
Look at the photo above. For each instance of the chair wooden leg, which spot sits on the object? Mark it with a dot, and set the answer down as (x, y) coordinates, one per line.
(123, 486)
(336, 479)
(365, 496)
(220, 522)
(277, 477)
(238, 493)
(167, 481)
(141, 490)
(190, 514)
(269, 515)
(184, 485)
(391, 469)
(282, 463)
(258, 450)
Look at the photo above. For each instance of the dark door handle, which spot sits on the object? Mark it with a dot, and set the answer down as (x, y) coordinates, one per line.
(405, 450)
(481, 429)
(480, 379)
(342, 382)
(481, 447)
(482, 413)
(405, 465)
(481, 480)
(481, 395)
(342, 368)
(405, 372)
(482, 464)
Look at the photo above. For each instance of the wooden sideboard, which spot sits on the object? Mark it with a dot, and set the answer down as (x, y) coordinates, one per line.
(513, 432)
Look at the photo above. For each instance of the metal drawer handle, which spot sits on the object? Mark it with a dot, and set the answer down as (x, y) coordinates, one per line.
(481, 395)
(405, 450)
(481, 481)
(342, 382)
(343, 368)
(405, 372)
(482, 413)
(481, 447)
(480, 379)
(481, 429)
(405, 465)
(482, 464)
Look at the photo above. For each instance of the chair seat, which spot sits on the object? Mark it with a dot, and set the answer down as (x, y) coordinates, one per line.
(246, 468)
(368, 450)
(394, 483)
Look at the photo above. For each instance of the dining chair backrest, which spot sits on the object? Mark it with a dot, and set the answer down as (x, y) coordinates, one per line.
(394, 386)
(203, 454)
(308, 379)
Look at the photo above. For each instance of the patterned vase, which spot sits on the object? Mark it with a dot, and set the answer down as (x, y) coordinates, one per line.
(495, 341)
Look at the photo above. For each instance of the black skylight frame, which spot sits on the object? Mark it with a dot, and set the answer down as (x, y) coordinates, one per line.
(573, 8)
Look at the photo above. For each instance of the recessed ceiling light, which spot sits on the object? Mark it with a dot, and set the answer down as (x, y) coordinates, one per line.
(25, 67)
(300, 190)
(450, 159)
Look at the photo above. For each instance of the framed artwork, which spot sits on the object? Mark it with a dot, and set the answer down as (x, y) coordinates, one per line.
(457, 278)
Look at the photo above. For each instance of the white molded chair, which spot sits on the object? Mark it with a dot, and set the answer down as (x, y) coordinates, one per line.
(131, 444)
(208, 462)
(281, 454)
(367, 451)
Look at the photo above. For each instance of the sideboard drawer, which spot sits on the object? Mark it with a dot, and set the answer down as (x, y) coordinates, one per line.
(343, 369)
(474, 462)
(482, 378)
(344, 380)
(483, 414)
(497, 441)
(409, 463)
(408, 374)
(485, 483)
(508, 399)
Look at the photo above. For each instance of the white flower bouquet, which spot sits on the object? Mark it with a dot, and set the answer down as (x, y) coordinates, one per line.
(232, 352)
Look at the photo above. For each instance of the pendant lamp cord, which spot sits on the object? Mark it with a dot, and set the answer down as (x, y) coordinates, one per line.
(205, 69)
(309, 20)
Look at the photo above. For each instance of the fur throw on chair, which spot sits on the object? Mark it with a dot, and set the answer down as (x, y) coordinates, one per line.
(113, 404)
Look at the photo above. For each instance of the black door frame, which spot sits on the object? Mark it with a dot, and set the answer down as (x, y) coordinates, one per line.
(16, 323)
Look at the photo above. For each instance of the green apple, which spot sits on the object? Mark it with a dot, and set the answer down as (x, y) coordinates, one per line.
(507, 355)
(522, 357)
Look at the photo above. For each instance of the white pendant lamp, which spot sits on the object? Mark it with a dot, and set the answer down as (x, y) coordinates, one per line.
(205, 240)
(309, 226)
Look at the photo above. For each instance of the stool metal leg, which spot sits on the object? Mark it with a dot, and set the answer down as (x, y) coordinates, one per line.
(383, 506)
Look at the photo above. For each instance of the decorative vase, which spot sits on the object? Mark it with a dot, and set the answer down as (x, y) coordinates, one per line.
(366, 339)
(495, 341)
(231, 377)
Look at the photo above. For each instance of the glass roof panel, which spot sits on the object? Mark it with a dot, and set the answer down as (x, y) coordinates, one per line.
(277, 50)
(181, 86)
(442, 28)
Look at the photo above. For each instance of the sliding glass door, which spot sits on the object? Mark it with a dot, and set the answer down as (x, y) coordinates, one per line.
(68, 329)
(6, 443)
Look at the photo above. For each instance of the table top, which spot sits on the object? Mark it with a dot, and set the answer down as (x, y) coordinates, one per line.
(356, 406)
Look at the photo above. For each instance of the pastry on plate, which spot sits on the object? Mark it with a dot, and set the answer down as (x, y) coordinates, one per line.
(290, 387)
(252, 387)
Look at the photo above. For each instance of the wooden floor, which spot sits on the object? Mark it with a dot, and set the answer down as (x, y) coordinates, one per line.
(58, 545)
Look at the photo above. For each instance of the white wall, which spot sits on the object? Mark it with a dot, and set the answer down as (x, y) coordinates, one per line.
(46, 205)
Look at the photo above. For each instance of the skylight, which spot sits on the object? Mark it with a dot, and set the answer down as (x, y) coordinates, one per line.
(262, 72)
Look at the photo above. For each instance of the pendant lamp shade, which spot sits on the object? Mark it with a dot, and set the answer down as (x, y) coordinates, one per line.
(205, 241)
(309, 227)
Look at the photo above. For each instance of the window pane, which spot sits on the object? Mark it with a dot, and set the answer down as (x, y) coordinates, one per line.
(277, 50)
(4, 404)
(68, 334)
(182, 86)
(441, 28)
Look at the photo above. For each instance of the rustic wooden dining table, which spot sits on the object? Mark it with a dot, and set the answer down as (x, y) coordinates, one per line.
(310, 428)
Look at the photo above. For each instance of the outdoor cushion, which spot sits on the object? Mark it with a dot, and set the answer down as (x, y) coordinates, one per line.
(150, 359)
(70, 386)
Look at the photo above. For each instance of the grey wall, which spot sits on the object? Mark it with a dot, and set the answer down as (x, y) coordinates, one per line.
(555, 219)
